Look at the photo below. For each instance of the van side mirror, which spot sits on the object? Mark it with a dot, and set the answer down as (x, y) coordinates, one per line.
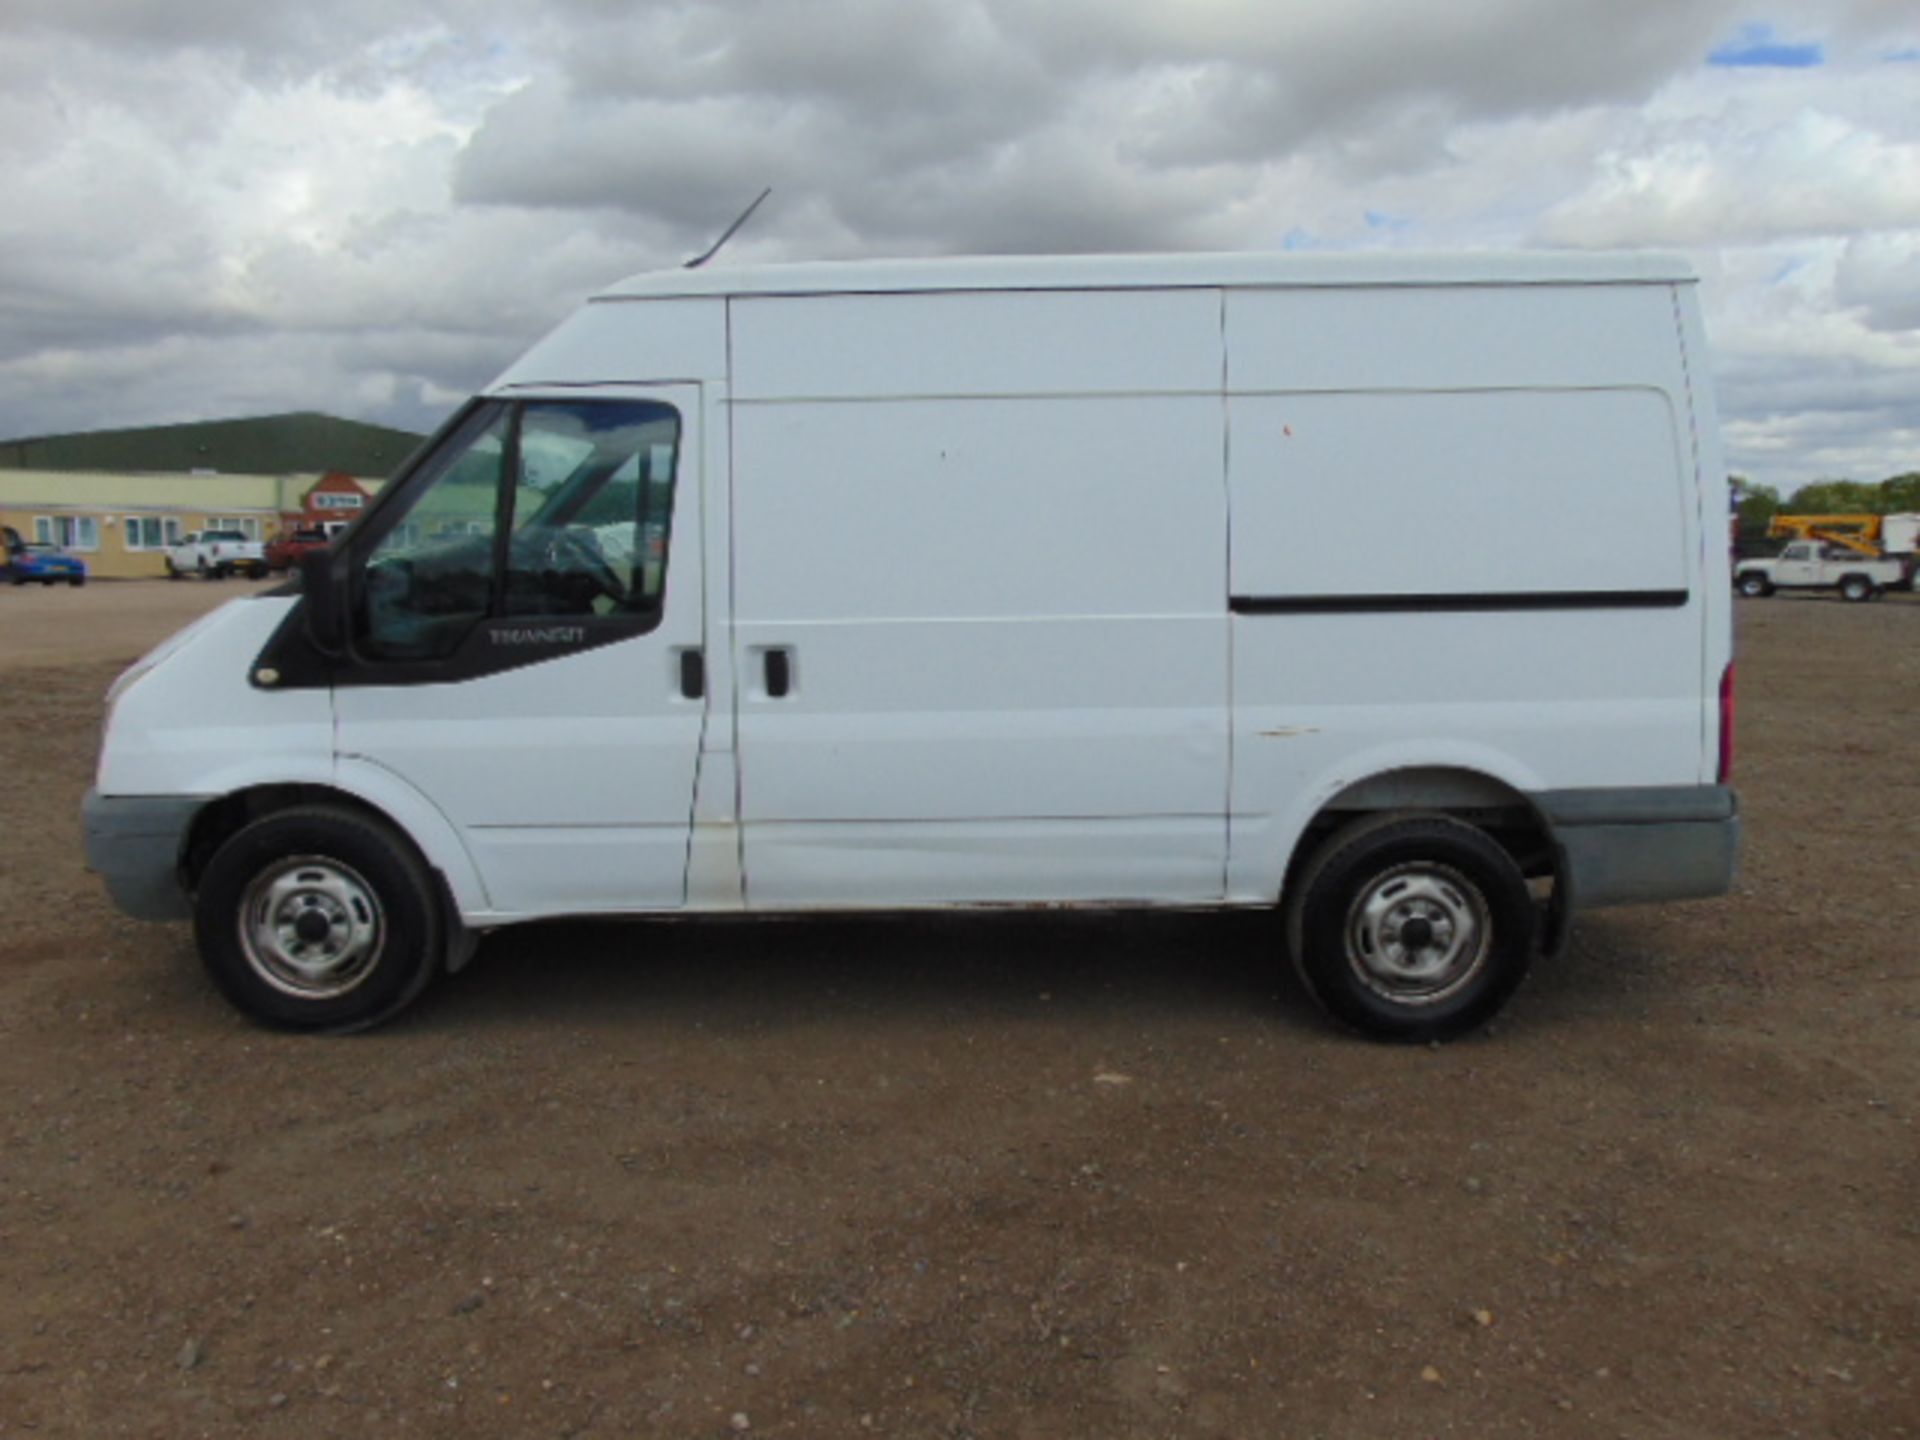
(324, 601)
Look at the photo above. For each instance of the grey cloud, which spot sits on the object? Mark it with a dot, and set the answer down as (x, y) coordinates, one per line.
(218, 206)
(1288, 75)
(1789, 422)
(820, 96)
(274, 37)
(1880, 276)
(682, 163)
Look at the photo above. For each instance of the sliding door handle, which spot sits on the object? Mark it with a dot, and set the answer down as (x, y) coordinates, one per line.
(779, 673)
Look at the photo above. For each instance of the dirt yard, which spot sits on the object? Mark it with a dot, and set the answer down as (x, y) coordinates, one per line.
(993, 1178)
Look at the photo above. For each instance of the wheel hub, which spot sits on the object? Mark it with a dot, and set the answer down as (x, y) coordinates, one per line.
(311, 927)
(1418, 933)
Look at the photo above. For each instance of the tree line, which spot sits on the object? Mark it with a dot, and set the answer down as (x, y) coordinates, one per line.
(1760, 503)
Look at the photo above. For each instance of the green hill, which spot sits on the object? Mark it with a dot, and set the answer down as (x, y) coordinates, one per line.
(264, 445)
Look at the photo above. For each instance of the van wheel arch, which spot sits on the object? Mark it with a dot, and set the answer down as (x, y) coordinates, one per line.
(220, 820)
(1473, 796)
(1506, 815)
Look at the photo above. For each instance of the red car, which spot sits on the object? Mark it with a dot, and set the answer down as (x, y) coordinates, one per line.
(285, 549)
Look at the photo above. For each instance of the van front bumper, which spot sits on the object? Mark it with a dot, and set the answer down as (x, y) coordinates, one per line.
(134, 843)
(1630, 846)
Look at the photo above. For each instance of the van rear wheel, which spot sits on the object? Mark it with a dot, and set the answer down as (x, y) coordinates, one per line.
(1412, 927)
(318, 919)
(1856, 588)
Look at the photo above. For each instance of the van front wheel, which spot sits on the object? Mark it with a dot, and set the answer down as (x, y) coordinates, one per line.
(1412, 928)
(318, 919)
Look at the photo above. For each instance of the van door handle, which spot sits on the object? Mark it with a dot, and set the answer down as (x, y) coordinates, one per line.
(779, 674)
(693, 675)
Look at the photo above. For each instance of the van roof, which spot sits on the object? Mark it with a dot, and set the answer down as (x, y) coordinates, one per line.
(1252, 270)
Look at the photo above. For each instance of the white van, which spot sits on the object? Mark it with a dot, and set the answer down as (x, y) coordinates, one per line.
(1389, 591)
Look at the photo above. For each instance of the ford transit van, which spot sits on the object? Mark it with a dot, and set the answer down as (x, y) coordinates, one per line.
(1390, 594)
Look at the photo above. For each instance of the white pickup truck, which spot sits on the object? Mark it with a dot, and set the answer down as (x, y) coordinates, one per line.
(1814, 565)
(216, 554)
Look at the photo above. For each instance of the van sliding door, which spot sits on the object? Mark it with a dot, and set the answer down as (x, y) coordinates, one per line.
(980, 633)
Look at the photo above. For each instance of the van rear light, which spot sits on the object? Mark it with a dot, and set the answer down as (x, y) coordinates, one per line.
(1725, 772)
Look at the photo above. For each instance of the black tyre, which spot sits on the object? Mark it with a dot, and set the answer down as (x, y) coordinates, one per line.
(1412, 927)
(77, 581)
(201, 567)
(318, 919)
(1856, 589)
(1753, 585)
(173, 571)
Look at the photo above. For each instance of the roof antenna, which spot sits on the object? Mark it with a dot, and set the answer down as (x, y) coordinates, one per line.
(727, 234)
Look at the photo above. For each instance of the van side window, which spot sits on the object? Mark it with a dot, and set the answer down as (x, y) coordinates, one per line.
(583, 493)
(593, 488)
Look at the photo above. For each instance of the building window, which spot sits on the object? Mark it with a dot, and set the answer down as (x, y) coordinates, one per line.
(247, 525)
(69, 532)
(152, 532)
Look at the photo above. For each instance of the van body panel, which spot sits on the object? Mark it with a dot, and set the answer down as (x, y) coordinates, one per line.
(1711, 513)
(885, 865)
(870, 347)
(1212, 270)
(1266, 841)
(1466, 492)
(1454, 337)
(1467, 531)
(996, 614)
(185, 721)
(429, 827)
(612, 342)
(570, 780)
(714, 877)
(910, 511)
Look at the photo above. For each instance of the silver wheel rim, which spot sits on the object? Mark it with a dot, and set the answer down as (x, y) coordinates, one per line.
(311, 927)
(1418, 933)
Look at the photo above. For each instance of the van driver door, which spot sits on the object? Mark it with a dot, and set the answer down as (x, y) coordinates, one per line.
(526, 643)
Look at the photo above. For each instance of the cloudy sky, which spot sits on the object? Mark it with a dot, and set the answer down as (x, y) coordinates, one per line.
(228, 207)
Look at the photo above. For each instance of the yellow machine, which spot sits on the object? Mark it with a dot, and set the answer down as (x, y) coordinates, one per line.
(1859, 533)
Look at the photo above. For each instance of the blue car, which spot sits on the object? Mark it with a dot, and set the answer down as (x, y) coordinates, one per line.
(49, 564)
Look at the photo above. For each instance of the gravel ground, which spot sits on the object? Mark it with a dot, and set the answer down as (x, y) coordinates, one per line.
(989, 1177)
